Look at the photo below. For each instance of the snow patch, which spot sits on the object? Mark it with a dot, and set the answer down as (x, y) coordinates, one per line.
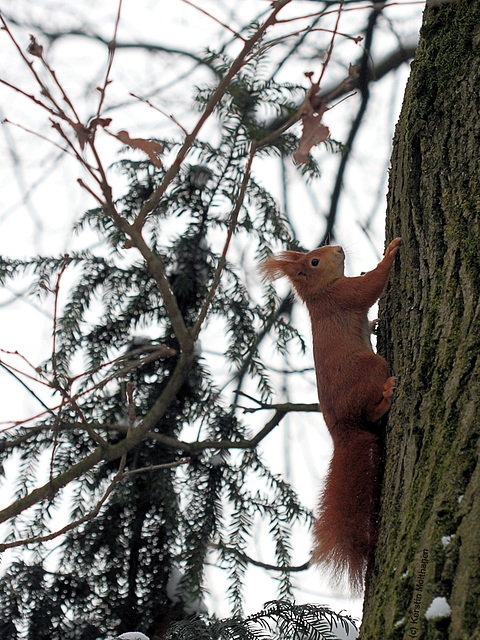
(439, 608)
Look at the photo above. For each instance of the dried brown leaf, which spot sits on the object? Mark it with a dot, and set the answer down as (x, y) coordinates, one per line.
(83, 134)
(314, 131)
(35, 49)
(150, 147)
(99, 122)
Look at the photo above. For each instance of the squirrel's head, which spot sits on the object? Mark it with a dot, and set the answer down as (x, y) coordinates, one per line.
(308, 272)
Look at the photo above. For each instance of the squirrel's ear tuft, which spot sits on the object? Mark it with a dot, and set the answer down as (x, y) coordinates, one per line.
(270, 269)
(276, 266)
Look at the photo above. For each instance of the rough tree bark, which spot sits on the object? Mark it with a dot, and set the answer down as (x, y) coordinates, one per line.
(429, 545)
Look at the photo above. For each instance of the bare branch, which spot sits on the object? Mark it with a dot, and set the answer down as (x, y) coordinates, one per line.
(330, 48)
(93, 513)
(47, 491)
(365, 94)
(14, 375)
(168, 115)
(223, 258)
(44, 90)
(154, 199)
(281, 411)
(212, 17)
(111, 52)
(29, 96)
(147, 46)
(264, 565)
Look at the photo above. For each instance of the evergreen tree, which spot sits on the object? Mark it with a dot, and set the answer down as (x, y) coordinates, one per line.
(139, 563)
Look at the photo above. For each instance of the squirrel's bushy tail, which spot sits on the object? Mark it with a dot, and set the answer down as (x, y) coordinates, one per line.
(346, 526)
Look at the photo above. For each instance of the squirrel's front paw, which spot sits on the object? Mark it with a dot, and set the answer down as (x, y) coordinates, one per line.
(393, 247)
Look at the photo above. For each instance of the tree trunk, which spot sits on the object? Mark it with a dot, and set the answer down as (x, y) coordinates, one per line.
(429, 542)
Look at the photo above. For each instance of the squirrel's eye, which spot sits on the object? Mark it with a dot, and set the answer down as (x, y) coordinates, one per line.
(315, 262)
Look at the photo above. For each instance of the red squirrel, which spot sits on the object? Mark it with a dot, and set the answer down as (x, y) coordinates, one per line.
(354, 391)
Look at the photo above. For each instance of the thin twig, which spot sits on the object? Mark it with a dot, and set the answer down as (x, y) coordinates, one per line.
(365, 94)
(57, 82)
(90, 191)
(212, 17)
(365, 7)
(45, 91)
(29, 96)
(307, 30)
(66, 262)
(57, 126)
(330, 48)
(164, 113)
(46, 383)
(118, 373)
(4, 366)
(111, 52)
(157, 467)
(39, 135)
(223, 258)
